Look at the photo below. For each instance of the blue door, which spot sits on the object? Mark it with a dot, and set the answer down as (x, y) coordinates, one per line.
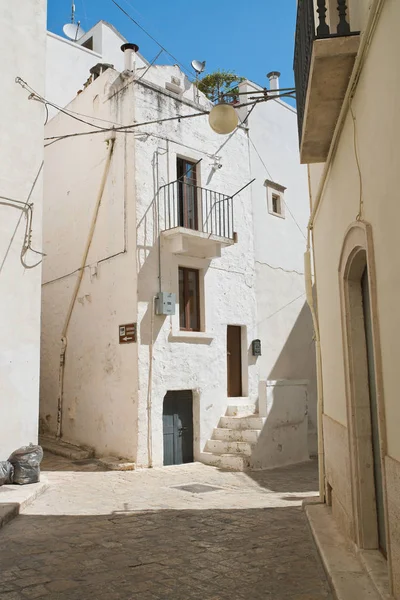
(178, 427)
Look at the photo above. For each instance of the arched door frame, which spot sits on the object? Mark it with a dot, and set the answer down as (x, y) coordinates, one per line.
(357, 254)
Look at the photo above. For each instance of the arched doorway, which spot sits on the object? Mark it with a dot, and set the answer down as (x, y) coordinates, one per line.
(366, 424)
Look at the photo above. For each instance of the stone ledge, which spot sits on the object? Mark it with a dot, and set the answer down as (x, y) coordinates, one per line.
(14, 498)
(345, 571)
(113, 463)
(64, 449)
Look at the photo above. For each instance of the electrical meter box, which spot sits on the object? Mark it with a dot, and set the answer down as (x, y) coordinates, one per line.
(165, 303)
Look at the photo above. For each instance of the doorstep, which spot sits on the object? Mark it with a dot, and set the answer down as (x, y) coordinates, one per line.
(14, 498)
(350, 573)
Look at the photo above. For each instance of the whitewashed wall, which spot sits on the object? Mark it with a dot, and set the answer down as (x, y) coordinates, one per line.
(68, 63)
(100, 392)
(100, 400)
(191, 361)
(22, 31)
(283, 317)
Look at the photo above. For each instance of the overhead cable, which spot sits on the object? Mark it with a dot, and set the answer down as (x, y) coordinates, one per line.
(151, 37)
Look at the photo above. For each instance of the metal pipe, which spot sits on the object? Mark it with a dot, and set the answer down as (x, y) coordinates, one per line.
(64, 339)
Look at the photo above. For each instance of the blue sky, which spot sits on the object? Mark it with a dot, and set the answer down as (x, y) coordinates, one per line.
(250, 37)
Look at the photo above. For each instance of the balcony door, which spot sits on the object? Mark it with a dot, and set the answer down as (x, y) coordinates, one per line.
(187, 194)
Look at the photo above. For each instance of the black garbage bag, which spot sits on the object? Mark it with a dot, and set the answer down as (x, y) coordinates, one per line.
(6, 472)
(26, 462)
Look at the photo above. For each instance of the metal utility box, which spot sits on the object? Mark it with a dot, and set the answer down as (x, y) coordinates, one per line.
(165, 303)
(256, 347)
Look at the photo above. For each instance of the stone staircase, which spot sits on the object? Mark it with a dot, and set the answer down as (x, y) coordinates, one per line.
(233, 440)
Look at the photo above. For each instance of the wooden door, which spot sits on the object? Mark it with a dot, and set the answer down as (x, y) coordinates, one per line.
(187, 194)
(234, 360)
(178, 427)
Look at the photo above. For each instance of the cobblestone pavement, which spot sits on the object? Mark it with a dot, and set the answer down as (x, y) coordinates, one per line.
(140, 536)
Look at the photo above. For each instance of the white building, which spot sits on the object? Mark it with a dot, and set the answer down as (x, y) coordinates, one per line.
(169, 219)
(280, 202)
(21, 156)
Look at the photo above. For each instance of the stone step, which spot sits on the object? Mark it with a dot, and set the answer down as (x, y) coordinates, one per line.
(221, 447)
(249, 422)
(228, 462)
(236, 435)
(241, 410)
(61, 448)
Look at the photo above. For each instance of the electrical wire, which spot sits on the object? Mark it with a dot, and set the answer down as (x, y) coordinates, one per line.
(34, 95)
(271, 178)
(132, 82)
(357, 157)
(27, 210)
(152, 38)
(122, 129)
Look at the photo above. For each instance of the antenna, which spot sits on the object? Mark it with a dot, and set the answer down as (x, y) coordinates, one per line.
(199, 68)
(73, 30)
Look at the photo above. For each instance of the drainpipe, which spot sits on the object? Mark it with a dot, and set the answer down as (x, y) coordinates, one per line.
(64, 339)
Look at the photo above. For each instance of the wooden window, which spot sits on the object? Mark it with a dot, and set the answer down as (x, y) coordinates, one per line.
(189, 299)
(187, 193)
(276, 204)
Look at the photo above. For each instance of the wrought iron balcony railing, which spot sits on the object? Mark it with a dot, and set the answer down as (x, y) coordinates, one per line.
(182, 204)
(307, 30)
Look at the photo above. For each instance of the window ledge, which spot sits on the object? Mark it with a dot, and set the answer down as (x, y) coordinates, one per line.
(196, 337)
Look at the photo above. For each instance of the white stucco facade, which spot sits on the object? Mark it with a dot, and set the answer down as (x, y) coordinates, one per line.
(113, 394)
(283, 318)
(68, 63)
(21, 155)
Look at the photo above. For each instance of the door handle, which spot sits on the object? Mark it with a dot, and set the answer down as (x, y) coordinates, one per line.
(181, 429)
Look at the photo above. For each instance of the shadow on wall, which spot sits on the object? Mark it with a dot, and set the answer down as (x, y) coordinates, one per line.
(290, 407)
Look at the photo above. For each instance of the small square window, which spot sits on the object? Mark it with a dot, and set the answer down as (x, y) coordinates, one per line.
(275, 199)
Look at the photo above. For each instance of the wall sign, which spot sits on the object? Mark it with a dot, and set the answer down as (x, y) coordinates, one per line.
(127, 333)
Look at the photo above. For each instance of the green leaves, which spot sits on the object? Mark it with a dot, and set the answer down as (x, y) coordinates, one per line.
(219, 83)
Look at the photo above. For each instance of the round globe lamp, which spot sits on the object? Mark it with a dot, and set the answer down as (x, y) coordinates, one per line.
(223, 118)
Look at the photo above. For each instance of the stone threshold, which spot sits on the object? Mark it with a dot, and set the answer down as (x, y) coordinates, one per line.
(14, 498)
(352, 574)
(80, 453)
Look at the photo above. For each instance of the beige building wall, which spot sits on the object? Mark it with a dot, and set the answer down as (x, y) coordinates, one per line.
(368, 193)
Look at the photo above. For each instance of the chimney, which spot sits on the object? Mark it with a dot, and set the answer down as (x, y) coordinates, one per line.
(129, 51)
(273, 77)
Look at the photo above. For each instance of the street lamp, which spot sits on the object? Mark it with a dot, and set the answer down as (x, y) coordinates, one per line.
(223, 117)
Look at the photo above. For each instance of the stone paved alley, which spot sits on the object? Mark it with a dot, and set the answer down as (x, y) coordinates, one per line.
(149, 535)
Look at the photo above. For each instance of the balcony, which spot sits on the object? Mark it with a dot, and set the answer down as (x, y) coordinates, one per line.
(323, 61)
(195, 221)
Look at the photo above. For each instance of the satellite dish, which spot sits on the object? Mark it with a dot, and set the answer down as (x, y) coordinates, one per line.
(73, 31)
(198, 66)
